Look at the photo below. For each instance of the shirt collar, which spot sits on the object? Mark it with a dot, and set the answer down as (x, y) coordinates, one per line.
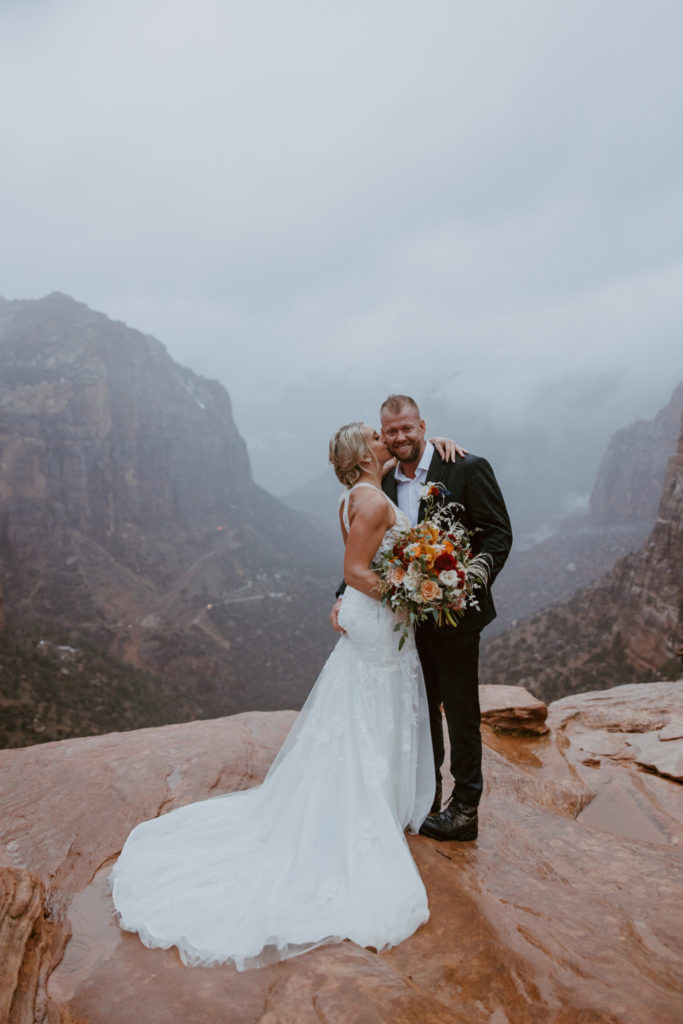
(422, 466)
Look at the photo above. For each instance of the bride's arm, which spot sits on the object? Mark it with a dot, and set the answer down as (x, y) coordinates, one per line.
(447, 448)
(372, 518)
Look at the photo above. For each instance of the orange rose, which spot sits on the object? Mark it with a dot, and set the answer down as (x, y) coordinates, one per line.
(430, 590)
(395, 575)
(430, 556)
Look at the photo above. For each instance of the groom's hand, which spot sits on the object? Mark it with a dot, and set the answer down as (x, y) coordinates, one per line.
(334, 616)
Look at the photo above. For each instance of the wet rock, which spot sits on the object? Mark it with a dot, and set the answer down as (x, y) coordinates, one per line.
(638, 723)
(665, 758)
(622, 728)
(512, 708)
(633, 708)
(565, 910)
(30, 946)
(87, 794)
(673, 731)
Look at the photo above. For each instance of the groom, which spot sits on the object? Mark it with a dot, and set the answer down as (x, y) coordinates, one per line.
(450, 657)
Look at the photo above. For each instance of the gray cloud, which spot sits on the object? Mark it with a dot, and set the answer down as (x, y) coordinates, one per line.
(318, 202)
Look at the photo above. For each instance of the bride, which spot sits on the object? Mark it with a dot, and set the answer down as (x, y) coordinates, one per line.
(317, 853)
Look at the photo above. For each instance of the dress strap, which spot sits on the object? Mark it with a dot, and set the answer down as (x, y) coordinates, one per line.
(344, 500)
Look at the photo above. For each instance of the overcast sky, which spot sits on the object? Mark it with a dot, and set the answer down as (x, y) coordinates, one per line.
(319, 201)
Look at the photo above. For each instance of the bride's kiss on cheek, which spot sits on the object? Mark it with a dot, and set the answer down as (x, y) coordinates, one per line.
(317, 853)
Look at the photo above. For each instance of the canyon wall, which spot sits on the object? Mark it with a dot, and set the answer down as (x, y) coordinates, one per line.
(621, 513)
(146, 578)
(624, 627)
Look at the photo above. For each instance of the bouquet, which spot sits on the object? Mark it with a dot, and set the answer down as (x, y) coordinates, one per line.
(431, 570)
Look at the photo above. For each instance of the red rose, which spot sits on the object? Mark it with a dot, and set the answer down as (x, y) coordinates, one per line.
(398, 552)
(445, 561)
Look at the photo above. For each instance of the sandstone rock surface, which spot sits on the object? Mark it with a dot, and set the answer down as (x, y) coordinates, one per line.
(30, 946)
(640, 723)
(565, 911)
(512, 708)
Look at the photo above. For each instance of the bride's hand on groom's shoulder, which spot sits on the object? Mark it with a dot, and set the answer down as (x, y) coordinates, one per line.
(448, 449)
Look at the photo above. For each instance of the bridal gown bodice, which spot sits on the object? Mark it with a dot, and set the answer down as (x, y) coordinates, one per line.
(317, 853)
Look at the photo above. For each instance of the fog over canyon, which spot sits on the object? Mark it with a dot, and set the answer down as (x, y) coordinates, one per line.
(147, 578)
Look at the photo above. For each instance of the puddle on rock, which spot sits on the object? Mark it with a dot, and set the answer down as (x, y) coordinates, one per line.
(95, 935)
(615, 810)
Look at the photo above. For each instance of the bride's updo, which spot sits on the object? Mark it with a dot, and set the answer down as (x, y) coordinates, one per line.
(348, 446)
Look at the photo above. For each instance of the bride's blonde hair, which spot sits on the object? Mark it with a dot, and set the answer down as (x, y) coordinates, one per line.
(347, 448)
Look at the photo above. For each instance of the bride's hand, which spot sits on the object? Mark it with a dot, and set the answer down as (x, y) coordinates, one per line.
(390, 465)
(447, 448)
(334, 616)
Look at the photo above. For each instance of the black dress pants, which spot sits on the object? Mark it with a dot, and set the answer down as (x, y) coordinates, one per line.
(450, 663)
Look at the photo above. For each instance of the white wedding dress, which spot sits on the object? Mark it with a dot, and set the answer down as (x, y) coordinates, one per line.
(317, 853)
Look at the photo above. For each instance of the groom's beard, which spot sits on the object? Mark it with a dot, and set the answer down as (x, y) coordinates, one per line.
(409, 453)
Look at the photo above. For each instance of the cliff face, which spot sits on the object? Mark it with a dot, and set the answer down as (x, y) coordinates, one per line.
(625, 627)
(650, 585)
(103, 432)
(566, 909)
(622, 511)
(129, 519)
(629, 481)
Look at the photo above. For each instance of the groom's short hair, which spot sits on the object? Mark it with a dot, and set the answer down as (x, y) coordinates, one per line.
(394, 404)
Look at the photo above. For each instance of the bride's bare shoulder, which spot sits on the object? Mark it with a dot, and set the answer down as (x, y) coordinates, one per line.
(369, 504)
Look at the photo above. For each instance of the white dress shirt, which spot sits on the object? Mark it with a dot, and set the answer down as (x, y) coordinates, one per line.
(409, 488)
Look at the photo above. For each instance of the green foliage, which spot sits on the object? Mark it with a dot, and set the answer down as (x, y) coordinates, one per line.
(53, 687)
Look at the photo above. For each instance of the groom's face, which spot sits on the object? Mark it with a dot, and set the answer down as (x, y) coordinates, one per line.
(404, 434)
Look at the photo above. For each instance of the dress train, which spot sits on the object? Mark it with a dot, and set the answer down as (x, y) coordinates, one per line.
(317, 852)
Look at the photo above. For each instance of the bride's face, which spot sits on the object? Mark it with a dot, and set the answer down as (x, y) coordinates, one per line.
(376, 444)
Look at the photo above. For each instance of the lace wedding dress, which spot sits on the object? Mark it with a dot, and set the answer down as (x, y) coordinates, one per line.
(317, 853)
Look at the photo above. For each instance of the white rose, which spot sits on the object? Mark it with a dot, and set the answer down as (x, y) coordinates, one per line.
(449, 578)
(412, 579)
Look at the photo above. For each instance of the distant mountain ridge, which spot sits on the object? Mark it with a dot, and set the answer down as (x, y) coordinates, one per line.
(624, 627)
(629, 481)
(129, 518)
(622, 511)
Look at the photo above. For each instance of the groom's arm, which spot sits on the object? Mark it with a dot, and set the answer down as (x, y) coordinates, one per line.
(486, 508)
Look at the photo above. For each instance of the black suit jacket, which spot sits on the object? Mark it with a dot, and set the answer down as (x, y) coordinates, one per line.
(471, 483)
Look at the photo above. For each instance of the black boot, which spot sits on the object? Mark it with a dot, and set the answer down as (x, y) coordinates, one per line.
(436, 806)
(457, 821)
